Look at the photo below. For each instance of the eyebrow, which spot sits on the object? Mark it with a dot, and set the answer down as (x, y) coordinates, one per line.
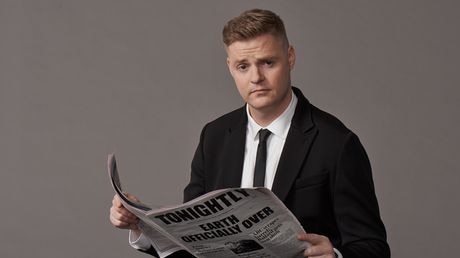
(258, 60)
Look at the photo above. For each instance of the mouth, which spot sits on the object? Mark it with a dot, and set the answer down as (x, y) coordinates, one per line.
(263, 90)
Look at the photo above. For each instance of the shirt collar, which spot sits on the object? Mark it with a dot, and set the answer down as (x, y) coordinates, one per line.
(279, 126)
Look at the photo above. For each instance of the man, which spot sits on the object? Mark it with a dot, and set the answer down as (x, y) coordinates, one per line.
(311, 161)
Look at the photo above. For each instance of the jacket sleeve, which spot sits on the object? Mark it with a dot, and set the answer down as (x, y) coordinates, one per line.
(356, 209)
(178, 254)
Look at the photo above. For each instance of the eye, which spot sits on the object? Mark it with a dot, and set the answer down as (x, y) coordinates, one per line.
(269, 63)
(242, 67)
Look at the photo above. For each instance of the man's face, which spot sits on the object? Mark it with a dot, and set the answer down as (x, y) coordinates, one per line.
(261, 69)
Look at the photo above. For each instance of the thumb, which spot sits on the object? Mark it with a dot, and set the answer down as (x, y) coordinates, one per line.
(311, 238)
(132, 197)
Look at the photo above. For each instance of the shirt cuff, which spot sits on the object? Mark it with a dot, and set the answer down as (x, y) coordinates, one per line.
(139, 241)
(338, 254)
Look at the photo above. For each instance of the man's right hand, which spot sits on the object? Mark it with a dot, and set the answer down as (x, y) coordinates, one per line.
(120, 217)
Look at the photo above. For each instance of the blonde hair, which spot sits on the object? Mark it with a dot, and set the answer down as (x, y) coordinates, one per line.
(253, 23)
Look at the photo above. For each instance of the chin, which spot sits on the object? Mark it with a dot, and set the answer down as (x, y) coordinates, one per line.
(260, 101)
(259, 106)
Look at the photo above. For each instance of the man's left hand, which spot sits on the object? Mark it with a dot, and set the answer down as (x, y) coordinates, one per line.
(320, 246)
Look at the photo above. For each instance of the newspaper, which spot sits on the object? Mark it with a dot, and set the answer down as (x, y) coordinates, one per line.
(232, 222)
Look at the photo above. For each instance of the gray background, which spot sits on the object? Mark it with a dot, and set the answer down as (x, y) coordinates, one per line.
(81, 79)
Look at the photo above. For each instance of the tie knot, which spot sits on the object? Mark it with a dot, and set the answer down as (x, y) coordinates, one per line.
(263, 135)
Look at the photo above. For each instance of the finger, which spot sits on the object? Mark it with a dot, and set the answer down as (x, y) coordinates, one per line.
(311, 238)
(132, 197)
(121, 215)
(117, 223)
(122, 225)
(315, 250)
(117, 202)
(120, 222)
(125, 213)
(320, 245)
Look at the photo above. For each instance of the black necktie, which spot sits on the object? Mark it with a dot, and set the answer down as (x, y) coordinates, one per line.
(261, 158)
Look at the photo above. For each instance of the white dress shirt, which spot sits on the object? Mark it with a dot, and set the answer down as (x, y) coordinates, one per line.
(279, 129)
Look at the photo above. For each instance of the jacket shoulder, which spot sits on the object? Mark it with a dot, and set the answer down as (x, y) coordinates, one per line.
(325, 121)
(228, 121)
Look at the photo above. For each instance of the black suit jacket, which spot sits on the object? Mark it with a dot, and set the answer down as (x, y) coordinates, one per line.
(323, 176)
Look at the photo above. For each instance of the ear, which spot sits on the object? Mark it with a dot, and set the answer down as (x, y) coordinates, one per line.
(291, 57)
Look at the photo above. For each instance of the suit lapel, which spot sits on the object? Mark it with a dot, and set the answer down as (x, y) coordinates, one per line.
(233, 158)
(298, 142)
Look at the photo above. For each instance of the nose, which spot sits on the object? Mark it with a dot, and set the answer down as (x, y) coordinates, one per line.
(257, 75)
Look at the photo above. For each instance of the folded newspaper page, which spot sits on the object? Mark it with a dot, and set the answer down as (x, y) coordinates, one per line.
(232, 222)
